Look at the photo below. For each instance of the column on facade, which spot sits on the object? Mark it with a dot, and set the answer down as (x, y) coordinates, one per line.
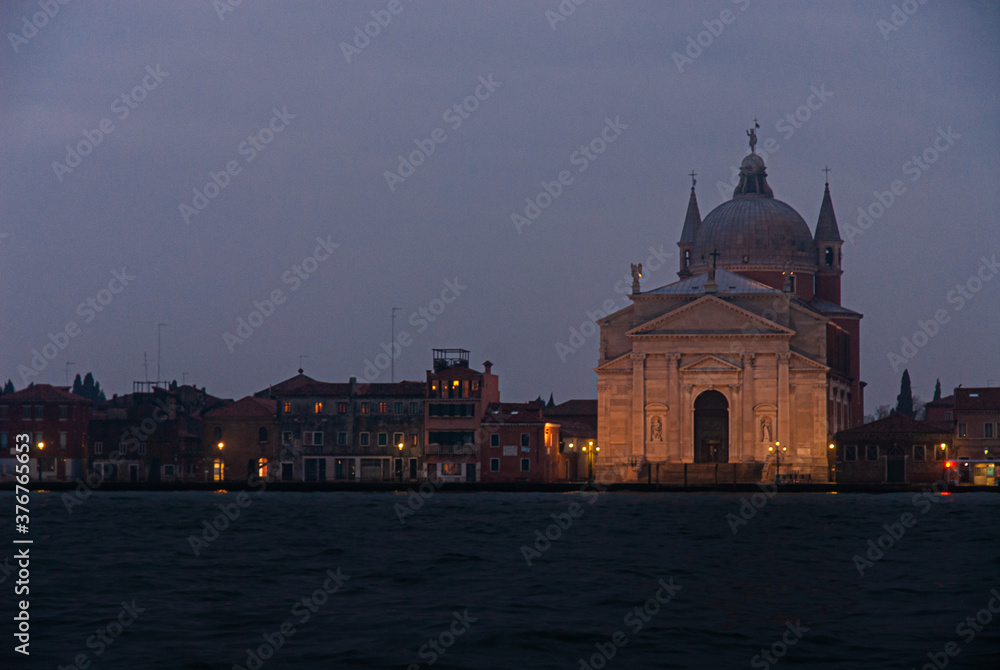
(784, 400)
(638, 428)
(671, 429)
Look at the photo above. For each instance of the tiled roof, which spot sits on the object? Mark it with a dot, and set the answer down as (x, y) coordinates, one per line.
(584, 406)
(831, 309)
(245, 408)
(42, 393)
(892, 424)
(729, 282)
(513, 412)
(285, 386)
(986, 398)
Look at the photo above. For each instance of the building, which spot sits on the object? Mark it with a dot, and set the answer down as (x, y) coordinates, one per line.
(748, 354)
(56, 421)
(350, 432)
(578, 446)
(457, 398)
(523, 445)
(893, 450)
(242, 438)
(973, 415)
(153, 434)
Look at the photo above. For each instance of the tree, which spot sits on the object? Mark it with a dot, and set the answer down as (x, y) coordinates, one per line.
(937, 390)
(77, 385)
(8, 387)
(904, 401)
(881, 412)
(551, 402)
(88, 388)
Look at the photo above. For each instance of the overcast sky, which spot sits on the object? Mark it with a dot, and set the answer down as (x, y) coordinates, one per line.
(199, 82)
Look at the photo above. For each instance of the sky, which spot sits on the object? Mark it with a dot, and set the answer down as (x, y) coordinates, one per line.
(269, 181)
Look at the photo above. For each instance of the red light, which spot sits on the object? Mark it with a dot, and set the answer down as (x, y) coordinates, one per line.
(949, 464)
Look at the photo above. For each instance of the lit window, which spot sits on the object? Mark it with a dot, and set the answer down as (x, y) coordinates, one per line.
(365, 408)
(451, 468)
(494, 465)
(963, 429)
(413, 439)
(318, 408)
(341, 408)
(286, 437)
(262, 467)
(218, 470)
(287, 408)
(383, 407)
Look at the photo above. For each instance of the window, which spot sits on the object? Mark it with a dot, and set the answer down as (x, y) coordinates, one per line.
(98, 447)
(318, 408)
(3, 412)
(963, 429)
(26, 412)
(939, 453)
(454, 469)
(364, 439)
(828, 255)
(525, 464)
(397, 408)
(342, 439)
(851, 453)
(413, 439)
(286, 437)
(871, 452)
(218, 470)
(919, 452)
(397, 439)
(142, 448)
(687, 258)
(218, 433)
(3, 439)
(62, 440)
(365, 408)
(262, 468)
(495, 440)
(383, 439)
(312, 438)
(414, 408)
(988, 430)
(168, 471)
(494, 465)
(341, 408)
(63, 412)
(286, 407)
(525, 440)
(383, 408)
(262, 435)
(39, 412)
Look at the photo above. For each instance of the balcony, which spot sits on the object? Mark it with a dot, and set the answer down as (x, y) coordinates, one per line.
(451, 450)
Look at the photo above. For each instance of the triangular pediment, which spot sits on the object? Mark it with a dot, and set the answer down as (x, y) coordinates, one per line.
(709, 363)
(710, 315)
(800, 362)
(621, 364)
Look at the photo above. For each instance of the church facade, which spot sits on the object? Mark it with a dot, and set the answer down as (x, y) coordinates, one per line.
(748, 360)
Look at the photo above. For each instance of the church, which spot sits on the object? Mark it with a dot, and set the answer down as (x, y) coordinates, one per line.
(745, 367)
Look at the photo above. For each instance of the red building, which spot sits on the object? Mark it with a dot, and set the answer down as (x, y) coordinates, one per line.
(893, 450)
(578, 446)
(457, 398)
(522, 445)
(57, 422)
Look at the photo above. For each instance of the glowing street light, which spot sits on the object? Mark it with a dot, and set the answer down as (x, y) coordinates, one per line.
(777, 449)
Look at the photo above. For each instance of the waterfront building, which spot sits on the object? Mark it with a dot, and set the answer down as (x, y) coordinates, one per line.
(241, 439)
(893, 450)
(523, 446)
(746, 365)
(457, 398)
(56, 421)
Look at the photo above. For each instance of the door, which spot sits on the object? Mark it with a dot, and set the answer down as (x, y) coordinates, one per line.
(711, 428)
(470, 472)
(895, 466)
(133, 472)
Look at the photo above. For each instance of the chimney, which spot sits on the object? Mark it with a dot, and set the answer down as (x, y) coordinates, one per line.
(487, 366)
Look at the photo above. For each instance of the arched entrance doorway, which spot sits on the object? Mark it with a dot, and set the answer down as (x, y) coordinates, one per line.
(711, 428)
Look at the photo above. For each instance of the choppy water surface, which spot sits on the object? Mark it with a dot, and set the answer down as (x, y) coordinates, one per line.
(788, 569)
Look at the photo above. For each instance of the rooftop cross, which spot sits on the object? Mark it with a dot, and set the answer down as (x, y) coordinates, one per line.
(827, 171)
(693, 180)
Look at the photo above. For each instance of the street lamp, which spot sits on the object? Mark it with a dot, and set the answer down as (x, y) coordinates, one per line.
(591, 452)
(777, 449)
(220, 472)
(400, 461)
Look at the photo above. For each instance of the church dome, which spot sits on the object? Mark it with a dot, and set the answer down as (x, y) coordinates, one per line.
(754, 229)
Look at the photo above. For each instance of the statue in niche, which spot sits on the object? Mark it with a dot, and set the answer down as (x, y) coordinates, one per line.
(765, 429)
(656, 430)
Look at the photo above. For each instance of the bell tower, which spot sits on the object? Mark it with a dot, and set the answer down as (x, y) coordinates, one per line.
(691, 223)
(828, 251)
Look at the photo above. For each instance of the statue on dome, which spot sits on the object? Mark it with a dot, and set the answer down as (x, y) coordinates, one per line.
(752, 134)
(636, 273)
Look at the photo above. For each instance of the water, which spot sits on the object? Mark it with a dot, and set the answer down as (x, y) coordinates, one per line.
(791, 562)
